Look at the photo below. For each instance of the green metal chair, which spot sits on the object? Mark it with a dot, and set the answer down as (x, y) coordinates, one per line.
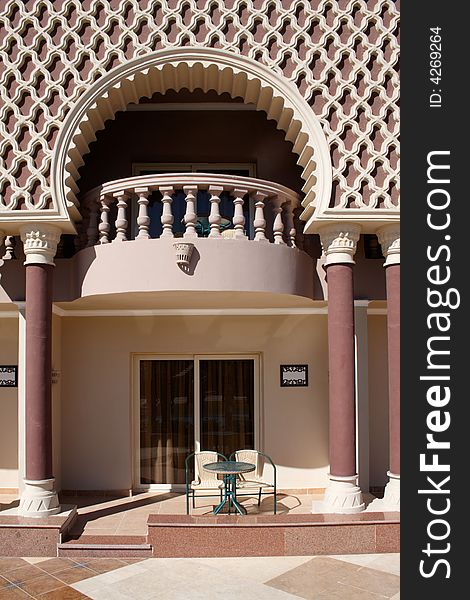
(256, 480)
(203, 480)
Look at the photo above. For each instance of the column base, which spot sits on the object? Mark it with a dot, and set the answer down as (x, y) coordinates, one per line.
(342, 496)
(39, 499)
(391, 500)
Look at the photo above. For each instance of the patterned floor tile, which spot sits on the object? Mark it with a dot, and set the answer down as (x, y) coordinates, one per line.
(40, 585)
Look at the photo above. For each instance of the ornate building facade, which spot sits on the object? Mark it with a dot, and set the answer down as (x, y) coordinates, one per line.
(195, 195)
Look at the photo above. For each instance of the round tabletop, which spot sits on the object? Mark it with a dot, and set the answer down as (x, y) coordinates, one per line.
(229, 467)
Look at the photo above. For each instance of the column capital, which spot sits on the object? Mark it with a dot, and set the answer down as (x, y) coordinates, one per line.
(40, 243)
(389, 239)
(339, 241)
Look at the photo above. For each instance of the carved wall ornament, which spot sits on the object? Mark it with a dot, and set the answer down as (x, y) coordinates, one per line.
(184, 251)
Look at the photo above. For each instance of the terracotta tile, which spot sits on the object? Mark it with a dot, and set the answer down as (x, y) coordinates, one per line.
(63, 593)
(13, 593)
(375, 581)
(103, 565)
(74, 574)
(313, 578)
(23, 574)
(341, 592)
(41, 585)
(55, 564)
(4, 582)
(8, 564)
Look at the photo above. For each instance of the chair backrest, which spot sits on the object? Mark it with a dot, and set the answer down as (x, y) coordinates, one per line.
(201, 459)
(253, 457)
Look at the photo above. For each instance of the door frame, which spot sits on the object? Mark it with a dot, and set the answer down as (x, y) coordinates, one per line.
(196, 357)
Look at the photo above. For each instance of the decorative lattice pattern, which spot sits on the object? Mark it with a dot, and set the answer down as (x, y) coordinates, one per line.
(342, 55)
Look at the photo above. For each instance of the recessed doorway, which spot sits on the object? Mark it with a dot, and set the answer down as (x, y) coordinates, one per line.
(188, 403)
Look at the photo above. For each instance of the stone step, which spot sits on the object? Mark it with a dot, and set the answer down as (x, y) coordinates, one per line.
(119, 546)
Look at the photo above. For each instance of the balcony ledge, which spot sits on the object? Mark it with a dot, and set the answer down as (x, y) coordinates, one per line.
(217, 265)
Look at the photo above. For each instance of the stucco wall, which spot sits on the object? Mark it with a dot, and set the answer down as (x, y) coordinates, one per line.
(378, 400)
(9, 407)
(96, 390)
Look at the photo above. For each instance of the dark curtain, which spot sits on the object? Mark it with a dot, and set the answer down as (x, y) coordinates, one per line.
(167, 419)
(227, 405)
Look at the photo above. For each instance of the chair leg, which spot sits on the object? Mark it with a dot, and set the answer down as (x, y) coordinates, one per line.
(194, 500)
(275, 502)
(259, 497)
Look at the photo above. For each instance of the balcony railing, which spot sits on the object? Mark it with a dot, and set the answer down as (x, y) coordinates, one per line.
(189, 205)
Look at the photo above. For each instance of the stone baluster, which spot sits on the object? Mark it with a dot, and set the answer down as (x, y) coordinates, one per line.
(259, 222)
(291, 233)
(104, 225)
(239, 217)
(92, 229)
(167, 215)
(121, 221)
(278, 226)
(190, 217)
(143, 219)
(214, 217)
(9, 247)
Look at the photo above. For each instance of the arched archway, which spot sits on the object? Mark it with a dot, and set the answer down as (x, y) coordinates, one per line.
(205, 68)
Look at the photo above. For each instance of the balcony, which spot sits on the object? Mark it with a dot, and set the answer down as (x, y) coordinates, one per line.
(197, 232)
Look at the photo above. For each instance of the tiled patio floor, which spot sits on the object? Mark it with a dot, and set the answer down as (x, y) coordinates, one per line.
(354, 577)
(128, 516)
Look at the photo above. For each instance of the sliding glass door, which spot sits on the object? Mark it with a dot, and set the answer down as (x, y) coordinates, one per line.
(192, 403)
(166, 419)
(226, 396)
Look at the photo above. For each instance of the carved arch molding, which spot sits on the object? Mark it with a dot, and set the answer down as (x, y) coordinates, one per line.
(205, 68)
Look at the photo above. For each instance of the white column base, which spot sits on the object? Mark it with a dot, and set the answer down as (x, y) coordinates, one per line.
(39, 499)
(391, 500)
(342, 495)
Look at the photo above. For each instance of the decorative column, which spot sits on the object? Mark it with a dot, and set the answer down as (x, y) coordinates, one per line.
(342, 494)
(39, 497)
(389, 238)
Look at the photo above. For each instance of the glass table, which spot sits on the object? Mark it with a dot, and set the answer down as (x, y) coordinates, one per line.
(230, 469)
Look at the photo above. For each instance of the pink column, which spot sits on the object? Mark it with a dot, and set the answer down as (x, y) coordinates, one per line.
(39, 498)
(342, 494)
(38, 371)
(341, 370)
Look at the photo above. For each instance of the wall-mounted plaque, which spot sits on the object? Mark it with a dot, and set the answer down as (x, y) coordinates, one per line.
(8, 376)
(294, 375)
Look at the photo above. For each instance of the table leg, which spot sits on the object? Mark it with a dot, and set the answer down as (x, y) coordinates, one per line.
(236, 505)
(226, 497)
(230, 496)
